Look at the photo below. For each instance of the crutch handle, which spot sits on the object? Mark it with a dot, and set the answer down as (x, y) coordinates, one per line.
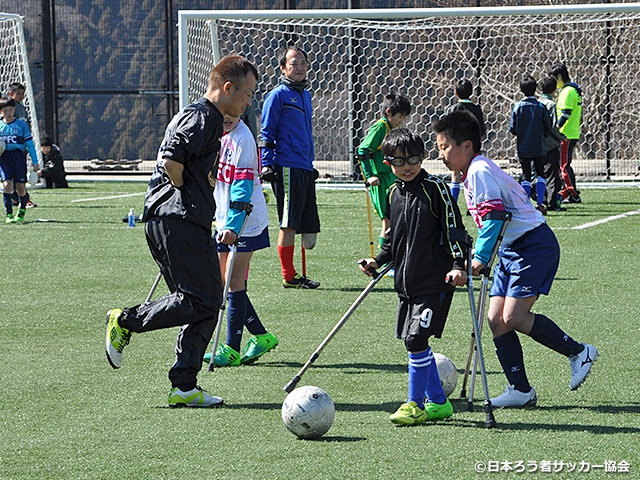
(374, 273)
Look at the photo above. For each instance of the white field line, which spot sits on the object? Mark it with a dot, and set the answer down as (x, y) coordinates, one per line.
(108, 198)
(601, 221)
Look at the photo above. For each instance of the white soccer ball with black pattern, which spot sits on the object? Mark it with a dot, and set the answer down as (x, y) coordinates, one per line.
(447, 373)
(308, 412)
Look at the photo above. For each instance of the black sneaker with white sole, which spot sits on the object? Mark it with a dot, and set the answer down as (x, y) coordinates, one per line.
(300, 281)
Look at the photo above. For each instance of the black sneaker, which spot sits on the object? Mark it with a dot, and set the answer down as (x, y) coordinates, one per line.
(575, 200)
(300, 281)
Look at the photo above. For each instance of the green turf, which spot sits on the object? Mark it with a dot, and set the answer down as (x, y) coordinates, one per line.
(65, 414)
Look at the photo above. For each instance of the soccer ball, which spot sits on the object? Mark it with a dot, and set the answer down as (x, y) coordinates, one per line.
(3, 146)
(447, 373)
(308, 412)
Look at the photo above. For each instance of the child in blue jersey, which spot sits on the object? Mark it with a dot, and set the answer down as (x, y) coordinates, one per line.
(427, 244)
(238, 185)
(527, 260)
(13, 163)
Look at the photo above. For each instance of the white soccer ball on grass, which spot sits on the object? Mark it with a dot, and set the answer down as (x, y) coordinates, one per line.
(308, 412)
(447, 372)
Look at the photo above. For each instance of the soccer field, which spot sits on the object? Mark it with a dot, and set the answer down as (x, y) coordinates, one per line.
(65, 414)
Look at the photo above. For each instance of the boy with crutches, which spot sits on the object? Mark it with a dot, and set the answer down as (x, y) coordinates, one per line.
(527, 261)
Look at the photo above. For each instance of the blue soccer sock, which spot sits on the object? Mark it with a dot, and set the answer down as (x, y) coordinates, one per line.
(510, 355)
(236, 315)
(418, 375)
(541, 188)
(455, 190)
(252, 322)
(433, 390)
(8, 205)
(546, 332)
(527, 187)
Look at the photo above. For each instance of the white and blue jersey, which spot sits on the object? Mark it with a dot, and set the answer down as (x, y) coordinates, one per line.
(17, 137)
(238, 181)
(488, 188)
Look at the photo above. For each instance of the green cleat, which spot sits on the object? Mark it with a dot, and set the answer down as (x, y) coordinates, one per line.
(225, 357)
(257, 346)
(408, 414)
(117, 338)
(436, 411)
(193, 398)
(9, 218)
(20, 216)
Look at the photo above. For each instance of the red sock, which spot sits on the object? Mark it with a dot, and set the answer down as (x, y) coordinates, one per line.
(286, 260)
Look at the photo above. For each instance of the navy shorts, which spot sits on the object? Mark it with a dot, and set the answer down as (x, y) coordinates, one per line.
(13, 166)
(295, 193)
(423, 316)
(248, 244)
(527, 266)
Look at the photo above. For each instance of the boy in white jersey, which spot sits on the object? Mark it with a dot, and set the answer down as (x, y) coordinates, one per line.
(238, 185)
(527, 260)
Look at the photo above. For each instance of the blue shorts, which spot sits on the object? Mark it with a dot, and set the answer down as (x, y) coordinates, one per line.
(248, 244)
(527, 267)
(13, 166)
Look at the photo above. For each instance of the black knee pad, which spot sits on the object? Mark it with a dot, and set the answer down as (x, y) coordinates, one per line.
(416, 344)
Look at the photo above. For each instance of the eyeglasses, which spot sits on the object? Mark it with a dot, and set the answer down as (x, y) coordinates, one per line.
(399, 161)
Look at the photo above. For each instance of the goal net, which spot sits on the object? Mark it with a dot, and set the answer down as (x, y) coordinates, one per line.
(359, 56)
(14, 67)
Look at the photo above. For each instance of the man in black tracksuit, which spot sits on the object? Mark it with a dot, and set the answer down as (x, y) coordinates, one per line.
(427, 243)
(178, 211)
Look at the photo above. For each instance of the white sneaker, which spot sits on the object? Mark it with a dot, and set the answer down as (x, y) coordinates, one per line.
(193, 398)
(581, 365)
(512, 398)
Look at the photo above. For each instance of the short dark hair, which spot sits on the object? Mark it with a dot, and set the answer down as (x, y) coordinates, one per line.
(528, 85)
(15, 86)
(232, 68)
(560, 69)
(46, 140)
(460, 126)
(282, 59)
(403, 140)
(548, 85)
(396, 103)
(7, 102)
(464, 89)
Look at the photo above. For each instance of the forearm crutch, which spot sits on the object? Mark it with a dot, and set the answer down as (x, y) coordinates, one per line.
(368, 194)
(247, 207)
(484, 288)
(153, 287)
(376, 276)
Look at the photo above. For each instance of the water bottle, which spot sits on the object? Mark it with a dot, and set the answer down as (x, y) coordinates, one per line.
(132, 218)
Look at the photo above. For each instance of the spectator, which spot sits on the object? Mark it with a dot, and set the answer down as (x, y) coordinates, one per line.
(53, 171)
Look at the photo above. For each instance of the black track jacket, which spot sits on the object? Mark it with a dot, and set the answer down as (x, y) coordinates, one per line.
(427, 238)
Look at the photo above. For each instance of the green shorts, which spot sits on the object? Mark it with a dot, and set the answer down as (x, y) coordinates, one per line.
(379, 192)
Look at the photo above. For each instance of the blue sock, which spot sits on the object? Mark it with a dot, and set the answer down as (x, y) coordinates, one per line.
(418, 375)
(236, 315)
(433, 390)
(541, 188)
(527, 187)
(455, 190)
(253, 323)
(546, 332)
(509, 353)
(23, 201)
(8, 205)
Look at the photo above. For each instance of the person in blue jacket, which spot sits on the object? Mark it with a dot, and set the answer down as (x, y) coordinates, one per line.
(287, 154)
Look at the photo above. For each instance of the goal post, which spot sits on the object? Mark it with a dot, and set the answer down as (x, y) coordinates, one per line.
(14, 67)
(359, 56)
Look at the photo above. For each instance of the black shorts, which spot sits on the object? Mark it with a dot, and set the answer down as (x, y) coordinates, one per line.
(295, 193)
(423, 316)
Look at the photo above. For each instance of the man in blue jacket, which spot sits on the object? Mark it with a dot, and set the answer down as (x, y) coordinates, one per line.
(287, 154)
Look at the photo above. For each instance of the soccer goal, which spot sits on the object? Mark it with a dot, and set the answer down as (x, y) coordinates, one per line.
(14, 67)
(358, 56)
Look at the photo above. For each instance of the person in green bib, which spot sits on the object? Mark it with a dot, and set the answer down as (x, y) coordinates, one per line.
(569, 115)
